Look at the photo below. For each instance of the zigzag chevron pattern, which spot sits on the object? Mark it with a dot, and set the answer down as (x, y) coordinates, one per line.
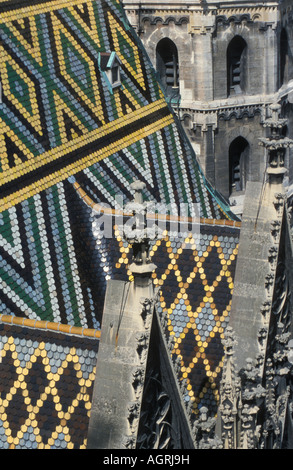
(60, 119)
(53, 90)
(38, 263)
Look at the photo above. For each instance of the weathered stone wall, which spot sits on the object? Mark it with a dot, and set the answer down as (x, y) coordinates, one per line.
(202, 33)
(260, 70)
(231, 126)
(285, 91)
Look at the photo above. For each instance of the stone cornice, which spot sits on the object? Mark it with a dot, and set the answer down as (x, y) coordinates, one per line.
(208, 9)
(228, 103)
(203, 19)
(209, 115)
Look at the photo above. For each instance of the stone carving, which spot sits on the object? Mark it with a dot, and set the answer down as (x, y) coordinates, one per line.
(138, 233)
(177, 364)
(279, 201)
(189, 409)
(242, 397)
(269, 280)
(133, 415)
(280, 356)
(265, 311)
(142, 346)
(224, 20)
(138, 382)
(282, 297)
(276, 145)
(271, 430)
(164, 319)
(262, 337)
(229, 392)
(256, 404)
(147, 310)
(252, 391)
(171, 342)
(154, 20)
(204, 431)
(239, 112)
(275, 229)
(273, 253)
(129, 442)
(183, 385)
(249, 430)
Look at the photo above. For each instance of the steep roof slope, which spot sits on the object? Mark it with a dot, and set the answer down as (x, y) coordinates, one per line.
(61, 119)
(68, 136)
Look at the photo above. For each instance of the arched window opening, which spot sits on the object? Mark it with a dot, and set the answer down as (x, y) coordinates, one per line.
(236, 66)
(284, 131)
(167, 66)
(238, 164)
(284, 57)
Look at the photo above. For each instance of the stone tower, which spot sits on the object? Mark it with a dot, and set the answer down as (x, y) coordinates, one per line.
(222, 65)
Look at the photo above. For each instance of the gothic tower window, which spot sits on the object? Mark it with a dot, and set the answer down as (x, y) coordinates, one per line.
(238, 164)
(284, 57)
(167, 65)
(236, 65)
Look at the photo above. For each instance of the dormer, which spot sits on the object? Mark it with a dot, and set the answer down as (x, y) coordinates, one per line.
(110, 65)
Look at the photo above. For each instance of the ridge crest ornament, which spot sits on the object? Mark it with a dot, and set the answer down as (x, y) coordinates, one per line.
(138, 234)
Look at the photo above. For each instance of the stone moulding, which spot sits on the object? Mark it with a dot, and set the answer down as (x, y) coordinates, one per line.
(223, 20)
(153, 20)
(211, 116)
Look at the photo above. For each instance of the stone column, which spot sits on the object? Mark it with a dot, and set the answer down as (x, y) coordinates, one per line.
(259, 238)
(124, 343)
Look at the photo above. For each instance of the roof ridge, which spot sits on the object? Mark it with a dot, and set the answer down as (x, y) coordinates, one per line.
(98, 207)
(49, 325)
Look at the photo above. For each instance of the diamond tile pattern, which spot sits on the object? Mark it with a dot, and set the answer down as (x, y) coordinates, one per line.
(195, 276)
(45, 388)
(198, 303)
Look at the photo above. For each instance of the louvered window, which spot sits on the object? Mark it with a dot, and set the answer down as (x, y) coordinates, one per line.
(167, 65)
(236, 66)
(238, 164)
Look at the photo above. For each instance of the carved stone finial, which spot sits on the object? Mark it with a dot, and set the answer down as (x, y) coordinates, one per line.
(229, 341)
(229, 391)
(279, 201)
(139, 234)
(138, 186)
(276, 145)
(204, 431)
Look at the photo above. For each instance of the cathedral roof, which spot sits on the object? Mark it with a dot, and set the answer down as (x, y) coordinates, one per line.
(71, 139)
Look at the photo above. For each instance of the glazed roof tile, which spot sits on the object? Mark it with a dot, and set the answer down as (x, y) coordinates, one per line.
(63, 128)
(195, 277)
(59, 124)
(46, 386)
